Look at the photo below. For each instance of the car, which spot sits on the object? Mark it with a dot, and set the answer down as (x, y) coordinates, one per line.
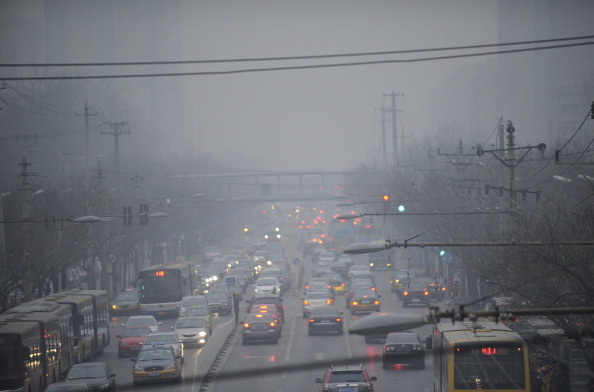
(326, 257)
(358, 269)
(199, 311)
(165, 338)
(219, 303)
(192, 300)
(415, 294)
(268, 285)
(346, 378)
(315, 298)
(97, 375)
(258, 299)
(357, 285)
(191, 331)
(125, 304)
(404, 347)
(337, 283)
(131, 340)
(325, 319)
(259, 326)
(273, 310)
(141, 321)
(365, 300)
(156, 363)
(67, 386)
(399, 281)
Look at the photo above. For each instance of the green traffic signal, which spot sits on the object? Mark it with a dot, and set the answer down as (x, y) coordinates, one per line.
(442, 252)
(401, 208)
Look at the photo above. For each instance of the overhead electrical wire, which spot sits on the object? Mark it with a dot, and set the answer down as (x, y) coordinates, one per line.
(280, 68)
(304, 57)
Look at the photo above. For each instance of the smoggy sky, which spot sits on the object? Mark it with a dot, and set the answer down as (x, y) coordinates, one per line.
(300, 119)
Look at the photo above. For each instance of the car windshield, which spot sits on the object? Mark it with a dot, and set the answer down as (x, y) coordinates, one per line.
(194, 301)
(406, 338)
(165, 339)
(127, 297)
(155, 355)
(347, 376)
(196, 311)
(197, 322)
(267, 282)
(133, 322)
(86, 372)
(128, 332)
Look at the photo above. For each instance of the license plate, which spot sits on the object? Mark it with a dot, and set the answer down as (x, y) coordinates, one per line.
(154, 374)
(366, 301)
(347, 389)
(325, 321)
(134, 348)
(416, 300)
(259, 328)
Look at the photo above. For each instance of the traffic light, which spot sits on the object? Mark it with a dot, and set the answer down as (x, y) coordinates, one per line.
(386, 202)
(401, 208)
(143, 213)
(127, 215)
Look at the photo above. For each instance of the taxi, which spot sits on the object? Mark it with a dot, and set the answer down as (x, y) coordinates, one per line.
(156, 363)
(365, 300)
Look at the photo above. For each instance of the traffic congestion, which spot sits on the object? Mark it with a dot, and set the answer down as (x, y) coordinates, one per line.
(271, 316)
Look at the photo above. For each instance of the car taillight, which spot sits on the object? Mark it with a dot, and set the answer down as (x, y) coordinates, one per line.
(405, 293)
(342, 284)
(329, 301)
(305, 302)
(311, 320)
(338, 320)
(355, 303)
(376, 302)
(426, 293)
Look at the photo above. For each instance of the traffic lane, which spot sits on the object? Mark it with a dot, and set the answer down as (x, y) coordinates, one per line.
(122, 367)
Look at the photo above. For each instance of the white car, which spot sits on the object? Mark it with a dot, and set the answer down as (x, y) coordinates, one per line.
(191, 331)
(143, 321)
(327, 257)
(267, 285)
(192, 301)
(314, 299)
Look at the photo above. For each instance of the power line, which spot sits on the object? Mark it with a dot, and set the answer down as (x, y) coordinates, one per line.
(305, 57)
(291, 68)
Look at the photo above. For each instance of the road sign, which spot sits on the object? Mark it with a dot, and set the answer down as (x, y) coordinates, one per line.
(231, 281)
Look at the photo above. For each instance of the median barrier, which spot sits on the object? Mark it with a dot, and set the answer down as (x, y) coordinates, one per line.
(213, 346)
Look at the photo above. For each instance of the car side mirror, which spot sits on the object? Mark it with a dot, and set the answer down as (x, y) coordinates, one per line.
(118, 336)
(133, 359)
(319, 380)
(373, 378)
(160, 322)
(123, 325)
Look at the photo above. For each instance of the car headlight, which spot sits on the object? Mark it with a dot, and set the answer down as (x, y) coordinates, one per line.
(138, 368)
(170, 366)
(202, 334)
(104, 386)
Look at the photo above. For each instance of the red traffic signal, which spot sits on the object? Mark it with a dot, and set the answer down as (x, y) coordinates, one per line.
(386, 197)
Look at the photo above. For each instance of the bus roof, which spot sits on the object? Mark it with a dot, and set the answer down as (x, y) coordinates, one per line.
(467, 331)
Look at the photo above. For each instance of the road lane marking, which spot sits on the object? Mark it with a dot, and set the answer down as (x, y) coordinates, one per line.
(290, 345)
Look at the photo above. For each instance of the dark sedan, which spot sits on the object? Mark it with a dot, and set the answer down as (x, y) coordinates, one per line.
(403, 348)
(325, 319)
(97, 375)
(126, 303)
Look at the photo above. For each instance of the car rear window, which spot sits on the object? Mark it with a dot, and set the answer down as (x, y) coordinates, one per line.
(349, 376)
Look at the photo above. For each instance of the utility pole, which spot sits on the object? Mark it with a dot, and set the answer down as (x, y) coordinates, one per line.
(511, 159)
(25, 215)
(383, 109)
(393, 95)
(87, 113)
(117, 130)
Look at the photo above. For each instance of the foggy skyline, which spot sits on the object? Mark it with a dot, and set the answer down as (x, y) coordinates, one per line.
(304, 119)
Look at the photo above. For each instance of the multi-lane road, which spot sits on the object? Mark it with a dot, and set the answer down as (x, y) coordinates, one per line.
(290, 361)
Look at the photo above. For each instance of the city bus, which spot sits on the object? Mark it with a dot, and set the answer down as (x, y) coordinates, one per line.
(83, 344)
(101, 317)
(21, 357)
(162, 287)
(342, 234)
(51, 345)
(478, 355)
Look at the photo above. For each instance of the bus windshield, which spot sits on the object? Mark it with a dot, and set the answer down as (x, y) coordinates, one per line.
(494, 366)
